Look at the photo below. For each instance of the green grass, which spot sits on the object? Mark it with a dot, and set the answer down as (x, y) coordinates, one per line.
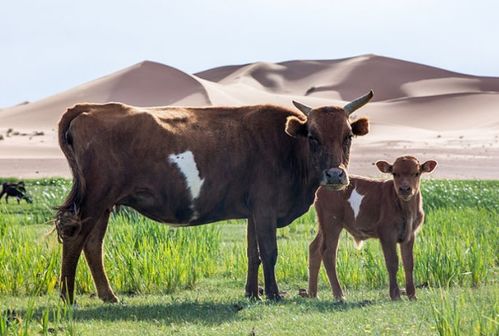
(191, 280)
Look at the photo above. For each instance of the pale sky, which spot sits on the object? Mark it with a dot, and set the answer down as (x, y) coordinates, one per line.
(52, 45)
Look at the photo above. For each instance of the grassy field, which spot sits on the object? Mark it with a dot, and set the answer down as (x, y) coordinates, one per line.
(191, 281)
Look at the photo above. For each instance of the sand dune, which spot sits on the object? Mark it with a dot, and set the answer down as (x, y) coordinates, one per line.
(143, 84)
(417, 109)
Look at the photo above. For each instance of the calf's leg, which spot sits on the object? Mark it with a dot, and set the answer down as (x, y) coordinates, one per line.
(93, 254)
(330, 243)
(253, 261)
(406, 250)
(391, 259)
(314, 264)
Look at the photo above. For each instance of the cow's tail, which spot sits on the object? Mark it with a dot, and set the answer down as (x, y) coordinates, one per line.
(67, 220)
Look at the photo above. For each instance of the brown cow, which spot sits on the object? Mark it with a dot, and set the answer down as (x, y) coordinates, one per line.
(389, 210)
(192, 166)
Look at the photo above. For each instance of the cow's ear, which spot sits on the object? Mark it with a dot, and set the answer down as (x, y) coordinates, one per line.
(384, 166)
(296, 127)
(428, 166)
(360, 126)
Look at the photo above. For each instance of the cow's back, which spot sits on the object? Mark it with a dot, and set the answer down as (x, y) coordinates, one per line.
(184, 165)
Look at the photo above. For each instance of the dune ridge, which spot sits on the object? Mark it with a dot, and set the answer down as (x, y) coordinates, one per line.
(417, 109)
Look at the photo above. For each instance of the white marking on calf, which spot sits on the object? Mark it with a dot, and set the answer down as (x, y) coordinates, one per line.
(355, 201)
(188, 167)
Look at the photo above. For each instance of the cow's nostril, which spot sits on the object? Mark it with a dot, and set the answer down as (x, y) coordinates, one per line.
(405, 189)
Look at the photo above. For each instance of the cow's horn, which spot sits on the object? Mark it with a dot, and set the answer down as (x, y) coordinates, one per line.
(304, 108)
(358, 103)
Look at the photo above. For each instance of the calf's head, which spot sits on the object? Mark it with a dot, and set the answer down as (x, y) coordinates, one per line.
(329, 132)
(406, 172)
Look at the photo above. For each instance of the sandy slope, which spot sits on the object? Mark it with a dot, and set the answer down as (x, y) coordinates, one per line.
(417, 109)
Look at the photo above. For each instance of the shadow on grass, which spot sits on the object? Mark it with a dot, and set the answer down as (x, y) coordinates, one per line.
(193, 311)
(204, 312)
(173, 312)
(330, 306)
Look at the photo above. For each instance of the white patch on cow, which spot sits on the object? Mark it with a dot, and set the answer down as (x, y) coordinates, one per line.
(188, 167)
(355, 201)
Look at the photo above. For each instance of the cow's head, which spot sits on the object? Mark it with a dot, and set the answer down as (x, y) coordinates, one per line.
(406, 173)
(329, 133)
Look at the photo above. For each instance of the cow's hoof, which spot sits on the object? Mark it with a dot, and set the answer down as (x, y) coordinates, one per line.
(274, 297)
(110, 299)
(412, 297)
(252, 296)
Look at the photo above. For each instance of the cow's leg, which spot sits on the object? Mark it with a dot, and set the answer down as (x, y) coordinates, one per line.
(392, 263)
(253, 261)
(70, 254)
(314, 264)
(267, 245)
(330, 242)
(93, 254)
(90, 213)
(408, 261)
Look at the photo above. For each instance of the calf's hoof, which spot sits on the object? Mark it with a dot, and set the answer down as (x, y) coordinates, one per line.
(340, 299)
(303, 293)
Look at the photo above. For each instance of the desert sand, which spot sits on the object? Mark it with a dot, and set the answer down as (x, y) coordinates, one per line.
(417, 109)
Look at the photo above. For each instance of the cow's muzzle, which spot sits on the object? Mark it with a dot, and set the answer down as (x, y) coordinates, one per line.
(335, 178)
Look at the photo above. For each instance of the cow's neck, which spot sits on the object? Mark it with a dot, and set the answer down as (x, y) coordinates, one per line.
(305, 184)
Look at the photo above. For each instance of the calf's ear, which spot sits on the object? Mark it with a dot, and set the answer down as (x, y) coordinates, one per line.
(384, 166)
(360, 126)
(296, 127)
(428, 166)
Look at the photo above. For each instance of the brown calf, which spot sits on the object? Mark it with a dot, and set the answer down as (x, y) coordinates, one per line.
(389, 210)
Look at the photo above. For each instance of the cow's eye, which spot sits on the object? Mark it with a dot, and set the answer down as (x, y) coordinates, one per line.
(313, 140)
(416, 174)
(395, 175)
